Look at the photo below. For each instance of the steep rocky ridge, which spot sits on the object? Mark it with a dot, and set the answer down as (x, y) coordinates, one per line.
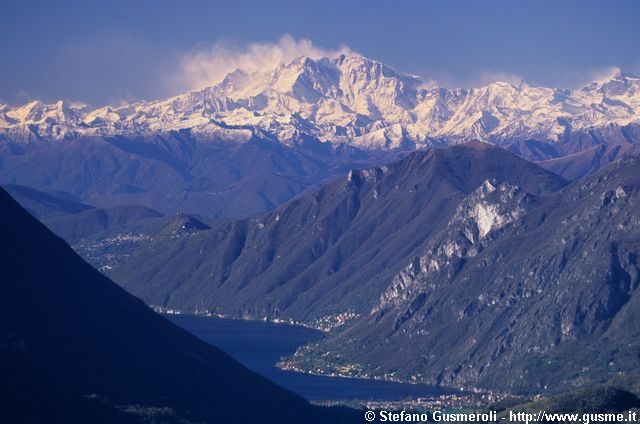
(547, 301)
(329, 253)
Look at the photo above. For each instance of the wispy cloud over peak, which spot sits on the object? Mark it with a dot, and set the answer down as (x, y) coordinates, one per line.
(208, 65)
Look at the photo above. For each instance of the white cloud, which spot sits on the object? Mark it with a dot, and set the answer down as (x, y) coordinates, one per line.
(208, 65)
(488, 77)
(578, 78)
(602, 74)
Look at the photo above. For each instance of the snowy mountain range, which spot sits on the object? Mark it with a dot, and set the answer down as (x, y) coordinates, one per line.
(348, 99)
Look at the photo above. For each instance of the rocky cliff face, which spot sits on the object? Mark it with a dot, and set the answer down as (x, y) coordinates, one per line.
(488, 208)
(547, 300)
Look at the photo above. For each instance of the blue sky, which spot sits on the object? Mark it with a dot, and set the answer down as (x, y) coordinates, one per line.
(124, 50)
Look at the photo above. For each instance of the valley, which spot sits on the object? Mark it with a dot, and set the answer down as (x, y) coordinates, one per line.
(59, 317)
(362, 258)
(283, 233)
(259, 346)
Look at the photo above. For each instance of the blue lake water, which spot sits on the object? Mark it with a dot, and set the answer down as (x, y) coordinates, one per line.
(260, 345)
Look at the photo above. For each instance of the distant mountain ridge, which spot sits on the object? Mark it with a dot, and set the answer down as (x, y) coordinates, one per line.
(347, 99)
(256, 140)
(177, 173)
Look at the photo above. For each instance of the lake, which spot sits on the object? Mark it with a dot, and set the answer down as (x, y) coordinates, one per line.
(259, 345)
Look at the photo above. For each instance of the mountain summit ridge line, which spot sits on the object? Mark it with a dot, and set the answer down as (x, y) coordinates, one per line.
(347, 99)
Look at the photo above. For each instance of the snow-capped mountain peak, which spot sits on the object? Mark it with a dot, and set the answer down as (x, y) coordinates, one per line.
(616, 84)
(350, 99)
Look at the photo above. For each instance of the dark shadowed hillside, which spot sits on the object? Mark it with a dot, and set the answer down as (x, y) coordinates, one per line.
(110, 220)
(619, 395)
(74, 347)
(44, 206)
(101, 236)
